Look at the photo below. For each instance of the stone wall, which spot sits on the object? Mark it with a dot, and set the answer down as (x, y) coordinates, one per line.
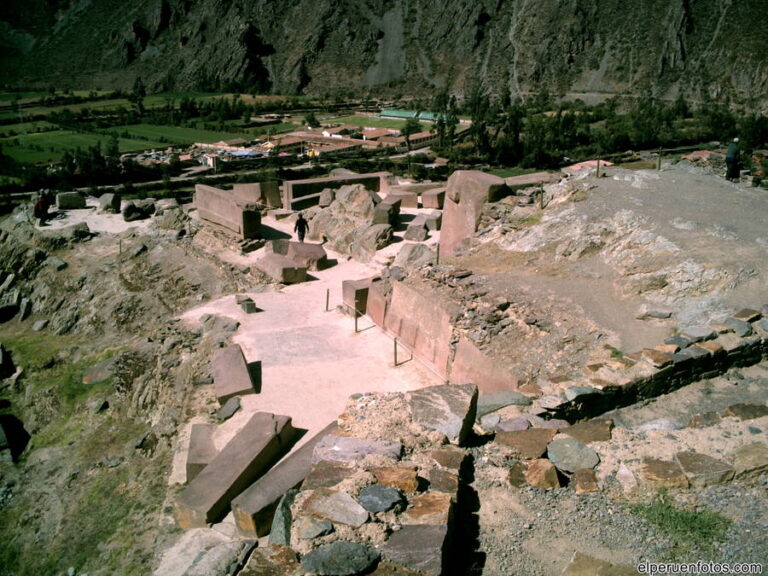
(696, 353)
(228, 210)
(267, 193)
(299, 194)
(422, 324)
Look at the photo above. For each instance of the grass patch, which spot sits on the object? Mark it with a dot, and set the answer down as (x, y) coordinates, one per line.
(50, 146)
(173, 134)
(532, 220)
(688, 529)
(509, 172)
(369, 122)
(615, 352)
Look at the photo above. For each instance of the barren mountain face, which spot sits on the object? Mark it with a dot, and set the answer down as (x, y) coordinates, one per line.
(704, 48)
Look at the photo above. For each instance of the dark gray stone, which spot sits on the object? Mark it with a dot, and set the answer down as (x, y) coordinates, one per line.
(309, 528)
(39, 325)
(230, 407)
(377, 498)
(739, 327)
(678, 341)
(280, 533)
(698, 333)
(340, 558)
(569, 455)
(487, 403)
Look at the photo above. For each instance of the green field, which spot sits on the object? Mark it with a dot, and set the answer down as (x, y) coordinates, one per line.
(369, 122)
(174, 134)
(26, 128)
(49, 146)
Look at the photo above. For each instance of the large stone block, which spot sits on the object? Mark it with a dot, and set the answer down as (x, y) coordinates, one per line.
(407, 199)
(305, 254)
(201, 451)
(225, 208)
(466, 194)
(282, 269)
(470, 364)
(433, 220)
(434, 198)
(70, 201)
(354, 294)
(376, 306)
(258, 445)
(419, 547)
(387, 213)
(450, 409)
(253, 509)
(232, 375)
(663, 474)
(109, 202)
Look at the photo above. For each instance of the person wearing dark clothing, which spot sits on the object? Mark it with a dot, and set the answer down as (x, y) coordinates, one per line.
(732, 161)
(41, 208)
(301, 227)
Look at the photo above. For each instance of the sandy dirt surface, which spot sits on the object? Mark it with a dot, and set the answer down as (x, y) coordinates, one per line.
(97, 222)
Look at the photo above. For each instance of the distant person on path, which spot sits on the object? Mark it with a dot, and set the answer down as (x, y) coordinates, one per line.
(301, 227)
(732, 161)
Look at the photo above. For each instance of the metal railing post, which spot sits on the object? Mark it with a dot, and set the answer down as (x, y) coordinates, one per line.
(356, 316)
(327, 298)
(438, 254)
(395, 342)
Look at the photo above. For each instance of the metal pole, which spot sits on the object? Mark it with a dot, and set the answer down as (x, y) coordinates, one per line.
(327, 298)
(395, 341)
(355, 320)
(438, 254)
(121, 246)
(598, 168)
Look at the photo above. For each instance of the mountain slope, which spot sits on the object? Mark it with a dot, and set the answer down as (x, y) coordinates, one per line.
(411, 46)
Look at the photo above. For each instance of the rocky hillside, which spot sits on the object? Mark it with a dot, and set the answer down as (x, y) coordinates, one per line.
(586, 48)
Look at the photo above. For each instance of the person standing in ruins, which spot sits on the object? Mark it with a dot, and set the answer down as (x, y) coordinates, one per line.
(732, 161)
(301, 227)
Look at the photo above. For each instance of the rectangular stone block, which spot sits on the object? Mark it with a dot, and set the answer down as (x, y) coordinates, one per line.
(282, 269)
(433, 220)
(354, 294)
(201, 449)
(260, 443)
(226, 209)
(376, 306)
(254, 508)
(232, 376)
(69, 201)
(433, 198)
(407, 199)
(419, 547)
(305, 254)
